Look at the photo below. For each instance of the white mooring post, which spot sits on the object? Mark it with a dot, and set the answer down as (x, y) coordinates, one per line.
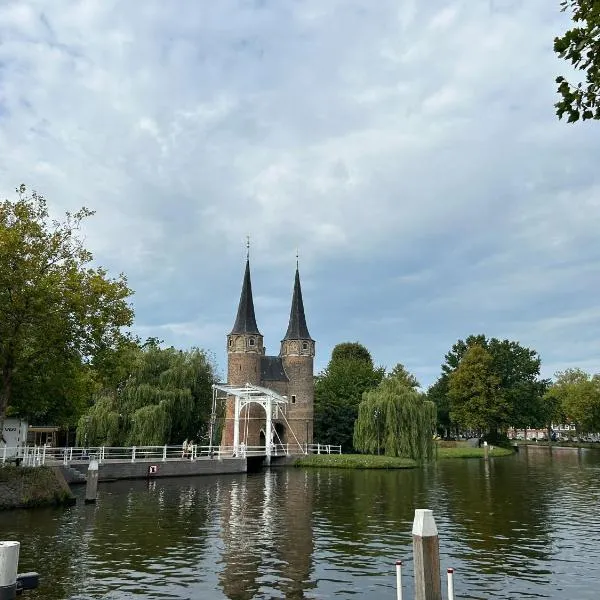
(398, 580)
(91, 487)
(426, 555)
(9, 565)
(450, 584)
(486, 451)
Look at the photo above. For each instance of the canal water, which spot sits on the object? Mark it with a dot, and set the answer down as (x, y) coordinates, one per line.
(527, 526)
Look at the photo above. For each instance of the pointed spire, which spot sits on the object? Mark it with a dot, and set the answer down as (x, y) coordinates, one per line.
(297, 329)
(245, 321)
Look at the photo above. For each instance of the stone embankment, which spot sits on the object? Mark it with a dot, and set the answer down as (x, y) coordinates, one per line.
(28, 487)
(124, 469)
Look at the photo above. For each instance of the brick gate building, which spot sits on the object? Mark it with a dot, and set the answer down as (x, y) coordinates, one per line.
(289, 374)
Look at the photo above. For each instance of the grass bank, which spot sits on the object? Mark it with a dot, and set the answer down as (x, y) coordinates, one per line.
(29, 487)
(368, 461)
(468, 452)
(564, 444)
(355, 461)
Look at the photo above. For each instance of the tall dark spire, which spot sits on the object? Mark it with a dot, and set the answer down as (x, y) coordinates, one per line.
(245, 321)
(297, 329)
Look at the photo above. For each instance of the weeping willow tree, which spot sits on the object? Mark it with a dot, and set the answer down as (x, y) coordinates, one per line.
(165, 399)
(395, 419)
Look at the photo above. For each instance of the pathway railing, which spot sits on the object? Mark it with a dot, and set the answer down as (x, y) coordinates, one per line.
(42, 455)
(323, 449)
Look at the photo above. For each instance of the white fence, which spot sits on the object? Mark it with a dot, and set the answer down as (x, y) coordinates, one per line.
(42, 455)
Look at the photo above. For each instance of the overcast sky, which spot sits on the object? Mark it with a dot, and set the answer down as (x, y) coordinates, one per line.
(409, 149)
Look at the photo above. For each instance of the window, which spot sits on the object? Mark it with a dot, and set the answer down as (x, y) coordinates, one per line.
(304, 345)
(293, 398)
(251, 342)
(230, 342)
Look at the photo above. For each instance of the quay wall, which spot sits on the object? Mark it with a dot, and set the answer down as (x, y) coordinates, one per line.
(111, 471)
(30, 487)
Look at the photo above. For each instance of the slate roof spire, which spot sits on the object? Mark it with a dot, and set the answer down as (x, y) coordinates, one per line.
(297, 329)
(245, 322)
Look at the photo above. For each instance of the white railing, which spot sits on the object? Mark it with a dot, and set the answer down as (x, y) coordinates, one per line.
(41, 455)
(324, 449)
(33, 456)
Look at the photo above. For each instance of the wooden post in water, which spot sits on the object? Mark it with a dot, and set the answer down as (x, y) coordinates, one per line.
(426, 554)
(91, 488)
(9, 564)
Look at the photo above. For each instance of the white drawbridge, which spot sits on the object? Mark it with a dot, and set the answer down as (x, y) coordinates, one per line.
(275, 409)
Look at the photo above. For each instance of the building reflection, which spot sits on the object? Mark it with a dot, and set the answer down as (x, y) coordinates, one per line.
(266, 529)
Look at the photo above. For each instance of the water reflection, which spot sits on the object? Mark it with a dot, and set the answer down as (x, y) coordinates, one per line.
(520, 527)
(267, 536)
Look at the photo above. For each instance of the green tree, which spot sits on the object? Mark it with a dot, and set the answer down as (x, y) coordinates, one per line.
(166, 399)
(351, 351)
(517, 369)
(477, 401)
(56, 309)
(394, 417)
(581, 47)
(438, 394)
(113, 364)
(60, 392)
(338, 392)
(405, 377)
(458, 350)
(552, 408)
(576, 394)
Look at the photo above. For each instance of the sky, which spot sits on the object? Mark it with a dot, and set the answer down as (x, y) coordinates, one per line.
(409, 150)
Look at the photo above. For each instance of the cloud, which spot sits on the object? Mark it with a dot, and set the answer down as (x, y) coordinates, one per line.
(409, 150)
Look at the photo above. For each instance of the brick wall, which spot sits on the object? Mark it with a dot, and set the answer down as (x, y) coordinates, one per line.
(300, 413)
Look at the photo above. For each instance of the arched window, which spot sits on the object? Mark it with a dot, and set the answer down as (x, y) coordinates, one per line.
(304, 345)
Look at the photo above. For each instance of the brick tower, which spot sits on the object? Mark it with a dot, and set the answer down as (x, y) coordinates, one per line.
(244, 351)
(297, 354)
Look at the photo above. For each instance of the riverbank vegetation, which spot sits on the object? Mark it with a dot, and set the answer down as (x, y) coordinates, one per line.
(355, 461)
(57, 310)
(66, 358)
(470, 452)
(373, 461)
(559, 444)
(486, 387)
(165, 396)
(395, 420)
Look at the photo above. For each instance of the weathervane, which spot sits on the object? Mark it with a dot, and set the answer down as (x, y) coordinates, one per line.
(297, 258)
(248, 246)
